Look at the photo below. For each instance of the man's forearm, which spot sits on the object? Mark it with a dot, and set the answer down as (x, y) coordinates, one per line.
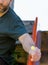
(26, 41)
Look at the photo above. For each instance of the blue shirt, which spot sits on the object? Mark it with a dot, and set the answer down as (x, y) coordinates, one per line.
(11, 27)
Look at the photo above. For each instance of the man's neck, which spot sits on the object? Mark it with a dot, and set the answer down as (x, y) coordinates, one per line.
(1, 14)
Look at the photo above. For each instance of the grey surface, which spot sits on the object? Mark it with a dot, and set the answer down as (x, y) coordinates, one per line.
(29, 25)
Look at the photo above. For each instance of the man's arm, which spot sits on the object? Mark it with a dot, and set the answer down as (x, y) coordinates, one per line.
(26, 41)
(27, 44)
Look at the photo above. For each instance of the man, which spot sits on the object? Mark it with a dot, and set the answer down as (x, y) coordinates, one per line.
(11, 29)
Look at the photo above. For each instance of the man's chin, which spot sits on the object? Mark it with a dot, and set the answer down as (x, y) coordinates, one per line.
(2, 10)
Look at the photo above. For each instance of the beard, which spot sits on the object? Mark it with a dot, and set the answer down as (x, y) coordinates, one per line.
(3, 8)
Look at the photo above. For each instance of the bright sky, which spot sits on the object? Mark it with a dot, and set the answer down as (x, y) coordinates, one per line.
(30, 9)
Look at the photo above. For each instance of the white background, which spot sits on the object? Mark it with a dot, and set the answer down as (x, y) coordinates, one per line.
(30, 9)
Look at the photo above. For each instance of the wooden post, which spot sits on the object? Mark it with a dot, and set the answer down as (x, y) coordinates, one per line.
(34, 37)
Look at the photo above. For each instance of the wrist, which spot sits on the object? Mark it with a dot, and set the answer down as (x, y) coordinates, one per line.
(32, 50)
(32, 47)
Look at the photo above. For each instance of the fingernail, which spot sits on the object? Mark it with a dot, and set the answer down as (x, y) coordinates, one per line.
(31, 59)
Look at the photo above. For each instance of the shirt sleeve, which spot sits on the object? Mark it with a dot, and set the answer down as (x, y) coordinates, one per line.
(17, 28)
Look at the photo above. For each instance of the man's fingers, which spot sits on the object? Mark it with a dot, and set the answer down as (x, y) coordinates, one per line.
(32, 58)
(35, 53)
(36, 57)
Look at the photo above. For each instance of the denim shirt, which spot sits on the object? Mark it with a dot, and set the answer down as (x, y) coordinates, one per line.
(11, 27)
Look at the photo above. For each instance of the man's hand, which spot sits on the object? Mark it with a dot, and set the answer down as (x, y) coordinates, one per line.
(35, 53)
(27, 42)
